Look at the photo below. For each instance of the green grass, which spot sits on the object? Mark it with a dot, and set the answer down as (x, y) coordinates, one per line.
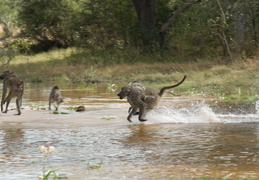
(56, 112)
(234, 83)
(70, 108)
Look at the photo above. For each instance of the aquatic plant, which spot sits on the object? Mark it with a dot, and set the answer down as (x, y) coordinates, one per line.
(49, 173)
(56, 112)
(47, 150)
(91, 166)
(108, 118)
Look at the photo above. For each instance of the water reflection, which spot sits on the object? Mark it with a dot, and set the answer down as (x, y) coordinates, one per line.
(195, 144)
(12, 142)
(74, 95)
(195, 149)
(142, 134)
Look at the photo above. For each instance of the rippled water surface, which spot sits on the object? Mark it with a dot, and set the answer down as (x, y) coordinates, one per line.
(184, 138)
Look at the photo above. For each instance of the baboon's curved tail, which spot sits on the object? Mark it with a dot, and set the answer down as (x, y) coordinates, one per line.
(169, 87)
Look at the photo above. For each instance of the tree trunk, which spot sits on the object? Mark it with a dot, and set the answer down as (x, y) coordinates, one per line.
(253, 16)
(223, 29)
(146, 14)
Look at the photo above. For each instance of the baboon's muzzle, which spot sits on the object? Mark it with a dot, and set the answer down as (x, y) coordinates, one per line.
(2, 77)
(120, 94)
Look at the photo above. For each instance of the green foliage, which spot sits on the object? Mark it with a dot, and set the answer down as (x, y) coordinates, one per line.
(47, 20)
(107, 24)
(56, 112)
(8, 17)
(206, 30)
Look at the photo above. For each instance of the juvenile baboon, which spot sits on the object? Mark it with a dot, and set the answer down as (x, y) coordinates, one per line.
(16, 89)
(142, 99)
(55, 98)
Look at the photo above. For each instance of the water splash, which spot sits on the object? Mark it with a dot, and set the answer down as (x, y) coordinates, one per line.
(194, 114)
(199, 113)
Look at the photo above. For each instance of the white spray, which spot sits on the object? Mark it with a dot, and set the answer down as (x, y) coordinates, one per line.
(198, 113)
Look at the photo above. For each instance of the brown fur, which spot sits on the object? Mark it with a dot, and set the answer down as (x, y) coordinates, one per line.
(16, 89)
(55, 98)
(142, 98)
(80, 109)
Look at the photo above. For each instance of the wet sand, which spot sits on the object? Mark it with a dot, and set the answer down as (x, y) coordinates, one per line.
(47, 119)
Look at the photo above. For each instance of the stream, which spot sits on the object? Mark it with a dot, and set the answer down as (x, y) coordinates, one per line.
(186, 137)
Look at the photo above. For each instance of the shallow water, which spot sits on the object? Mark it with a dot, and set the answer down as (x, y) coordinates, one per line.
(184, 138)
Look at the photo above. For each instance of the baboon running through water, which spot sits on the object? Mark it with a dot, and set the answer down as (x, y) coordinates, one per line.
(142, 98)
(16, 89)
(55, 98)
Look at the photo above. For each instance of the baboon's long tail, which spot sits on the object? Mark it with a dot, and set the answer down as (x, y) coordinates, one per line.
(169, 87)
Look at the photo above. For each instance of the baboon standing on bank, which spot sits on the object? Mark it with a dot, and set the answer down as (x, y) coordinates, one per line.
(55, 98)
(16, 89)
(142, 99)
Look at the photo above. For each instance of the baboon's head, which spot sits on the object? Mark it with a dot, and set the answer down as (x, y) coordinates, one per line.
(56, 87)
(5, 73)
(124, 91)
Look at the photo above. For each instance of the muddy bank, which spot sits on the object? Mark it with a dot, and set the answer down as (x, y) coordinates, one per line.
(47, 119)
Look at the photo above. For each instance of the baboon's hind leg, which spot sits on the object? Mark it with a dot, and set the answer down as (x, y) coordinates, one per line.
(142, 114)
(18, 106)
(56, 108)
(50, 104)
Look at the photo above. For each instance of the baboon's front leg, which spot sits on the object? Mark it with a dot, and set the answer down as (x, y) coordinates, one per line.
(135, 114)
(3, 98)
(2, 104)
(7, 101)
(132, 112)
